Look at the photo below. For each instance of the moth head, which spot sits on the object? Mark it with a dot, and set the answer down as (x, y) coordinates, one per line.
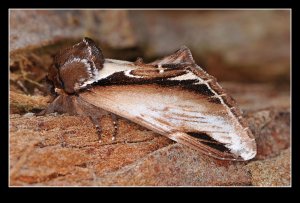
(76, 67)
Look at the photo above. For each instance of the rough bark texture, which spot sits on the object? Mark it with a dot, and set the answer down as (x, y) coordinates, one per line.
(64, 150)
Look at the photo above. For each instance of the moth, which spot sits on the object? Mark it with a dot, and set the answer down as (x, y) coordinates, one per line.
(171, 96)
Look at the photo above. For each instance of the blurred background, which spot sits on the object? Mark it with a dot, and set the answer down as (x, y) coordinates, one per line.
(233, 45)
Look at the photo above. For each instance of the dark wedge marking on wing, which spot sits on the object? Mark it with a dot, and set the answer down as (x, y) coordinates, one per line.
(170, 66)
(218, 146)
(120, 78)
(199, 88)
(201, 136)
(207, 140)
(212, 148)
(214, 100)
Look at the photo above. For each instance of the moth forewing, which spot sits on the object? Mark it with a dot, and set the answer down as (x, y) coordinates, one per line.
(171, 109)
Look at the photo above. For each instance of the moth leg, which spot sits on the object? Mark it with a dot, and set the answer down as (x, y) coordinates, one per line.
(96, 122)
(116, 127)
(57, 105)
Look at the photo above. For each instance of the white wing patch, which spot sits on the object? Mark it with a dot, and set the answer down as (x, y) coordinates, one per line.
(219, 128)
(110, 67)
(187, 76)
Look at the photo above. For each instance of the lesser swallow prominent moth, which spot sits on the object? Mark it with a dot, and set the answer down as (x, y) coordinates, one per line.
(171, 96)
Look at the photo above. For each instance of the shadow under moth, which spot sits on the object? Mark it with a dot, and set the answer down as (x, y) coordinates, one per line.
(171, 96)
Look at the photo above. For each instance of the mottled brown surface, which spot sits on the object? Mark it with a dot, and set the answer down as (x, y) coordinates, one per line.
(272, 172)
(21, 103)
(65, 150)
(272, 130)
(177, 165)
